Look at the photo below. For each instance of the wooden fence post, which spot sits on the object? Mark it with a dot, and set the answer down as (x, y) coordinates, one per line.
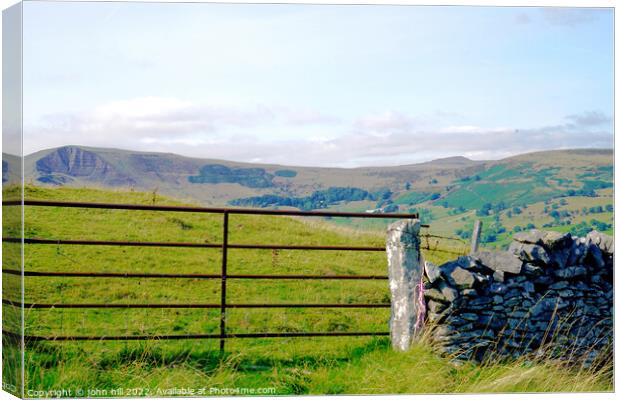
(475, 236)
(405, 272)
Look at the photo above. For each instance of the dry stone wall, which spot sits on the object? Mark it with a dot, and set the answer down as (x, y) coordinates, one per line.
(548, 291)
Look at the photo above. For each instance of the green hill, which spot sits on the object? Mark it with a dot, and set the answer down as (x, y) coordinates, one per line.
(448, 192)
(290, 366)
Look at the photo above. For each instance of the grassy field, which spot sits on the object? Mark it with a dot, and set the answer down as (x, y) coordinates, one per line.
(283, 366)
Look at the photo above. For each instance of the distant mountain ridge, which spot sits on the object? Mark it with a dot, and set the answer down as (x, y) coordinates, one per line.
(210, 181)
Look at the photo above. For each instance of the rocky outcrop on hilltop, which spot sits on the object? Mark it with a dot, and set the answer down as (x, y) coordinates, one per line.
(65, 163)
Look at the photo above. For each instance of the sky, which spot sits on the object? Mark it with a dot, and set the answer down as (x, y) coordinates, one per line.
(317, 85)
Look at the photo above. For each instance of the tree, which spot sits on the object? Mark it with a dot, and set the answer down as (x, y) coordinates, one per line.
(484, 210)
(489, 237)
(600, 225)
(392, 208)
(499, 207)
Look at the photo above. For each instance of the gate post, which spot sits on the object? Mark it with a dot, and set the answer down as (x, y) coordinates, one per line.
(475, 236)
(405, 273)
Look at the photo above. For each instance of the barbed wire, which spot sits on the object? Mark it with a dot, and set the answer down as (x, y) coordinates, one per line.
(434, 247)
(440, 250)
(430, 235)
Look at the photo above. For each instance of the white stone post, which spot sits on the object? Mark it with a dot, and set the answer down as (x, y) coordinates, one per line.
(405, 272)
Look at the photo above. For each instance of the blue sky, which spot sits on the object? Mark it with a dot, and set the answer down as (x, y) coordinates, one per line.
(317, 85)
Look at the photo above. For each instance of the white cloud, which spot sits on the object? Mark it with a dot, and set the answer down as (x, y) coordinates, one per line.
(141, 107)
(571, 17)
(239, 133)
(589, 118)
(384, 124)
(167, 121)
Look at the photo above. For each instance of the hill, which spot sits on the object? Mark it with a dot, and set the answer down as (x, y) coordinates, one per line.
(560, 189)
(210, 181)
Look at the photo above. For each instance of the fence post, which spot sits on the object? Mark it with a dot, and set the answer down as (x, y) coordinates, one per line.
(405, 276)
(475, 236)
(223, 289)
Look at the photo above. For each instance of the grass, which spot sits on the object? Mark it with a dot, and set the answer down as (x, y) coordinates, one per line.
(287, 366)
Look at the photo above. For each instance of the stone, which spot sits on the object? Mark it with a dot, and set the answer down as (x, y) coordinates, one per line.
(481, 280)
(603, 241)
(441, 316)
(470, 334)
(528, 287)
(467, 262)
(498, 288)
(559, 285)
(532, 270)
(543, 280)
(479, 302)
(544, 306)
(571, 272)
(443, 330)
(533, 236)
(469, 316)
(560, 257)
(555, 240)
(446, 269)
(529, 252)
(577, 254)
(498, 299)
(579, 285)
(492, 322)
(567, 293)
(435, 307)
(596, 256)
(467, 327)
(513, 301)
(449, 293)
(461, 278)
(432, 271)
(499, 276)
(456, 320)
(499, 261)
(435, 294)
(515, 323)
(548, 239)
(469, 293)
